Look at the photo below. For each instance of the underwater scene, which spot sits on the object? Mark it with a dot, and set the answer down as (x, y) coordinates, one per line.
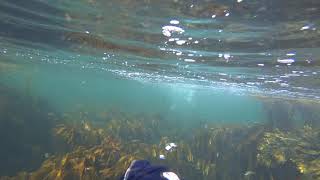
(210, 89)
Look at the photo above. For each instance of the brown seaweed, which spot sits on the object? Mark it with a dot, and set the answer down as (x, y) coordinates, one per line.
(300, 149)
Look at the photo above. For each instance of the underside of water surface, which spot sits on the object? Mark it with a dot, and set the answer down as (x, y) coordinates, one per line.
(211, 89)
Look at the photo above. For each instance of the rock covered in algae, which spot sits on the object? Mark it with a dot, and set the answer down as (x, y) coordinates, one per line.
(104, 161)
(228, 151)
(95, 153)
(67, 137)
(138, 128)
(24, 131)
(213, 152)
(300, 148)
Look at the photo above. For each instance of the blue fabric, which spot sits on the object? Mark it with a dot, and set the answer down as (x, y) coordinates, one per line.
(143, 170)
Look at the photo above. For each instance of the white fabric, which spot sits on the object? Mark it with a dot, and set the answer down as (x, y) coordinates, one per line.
(170, 176)
(128, 170)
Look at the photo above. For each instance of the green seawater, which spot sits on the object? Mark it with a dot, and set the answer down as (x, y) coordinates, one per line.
(71, 87)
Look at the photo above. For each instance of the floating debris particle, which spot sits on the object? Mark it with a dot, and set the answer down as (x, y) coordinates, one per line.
(249, 173)
(285, 61)
(168, 30)
(161, 156)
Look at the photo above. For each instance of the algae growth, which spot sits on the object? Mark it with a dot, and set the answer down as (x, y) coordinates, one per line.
(74, 146)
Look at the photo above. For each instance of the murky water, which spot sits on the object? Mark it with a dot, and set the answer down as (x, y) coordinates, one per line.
(194, 72)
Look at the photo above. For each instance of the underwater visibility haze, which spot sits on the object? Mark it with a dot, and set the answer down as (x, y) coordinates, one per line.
(214, 89)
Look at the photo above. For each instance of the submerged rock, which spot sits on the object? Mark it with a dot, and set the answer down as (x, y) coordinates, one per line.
(299, 150)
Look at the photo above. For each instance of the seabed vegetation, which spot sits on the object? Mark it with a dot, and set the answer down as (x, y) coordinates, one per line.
(72, 146)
